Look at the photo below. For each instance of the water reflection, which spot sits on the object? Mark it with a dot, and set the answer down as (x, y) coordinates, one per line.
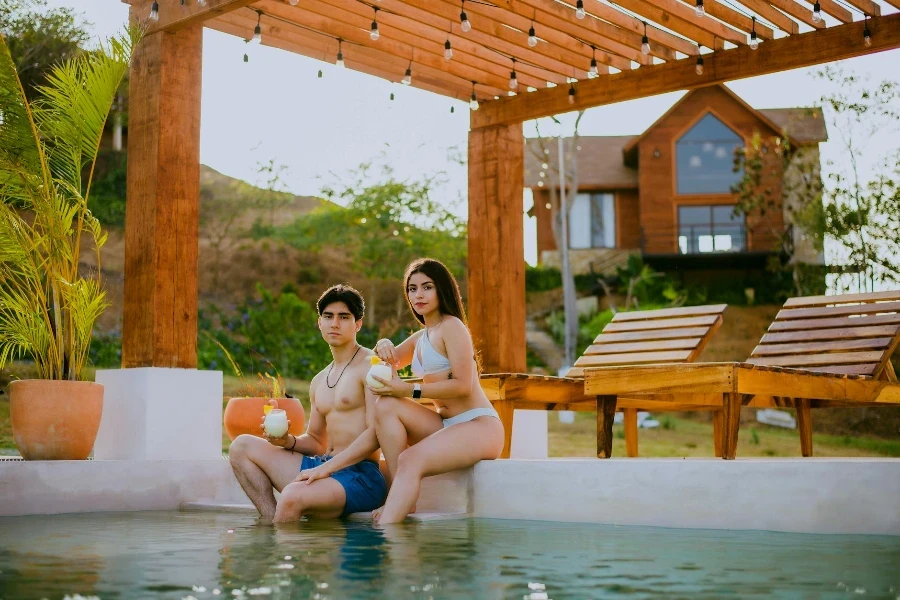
(175, 555)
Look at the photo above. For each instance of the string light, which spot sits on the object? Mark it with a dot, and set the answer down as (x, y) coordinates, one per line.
(699, 67)
(293, 2)
(392, 95)
(579, 9)
(407, 77)
(571, 93)
(257, 31)
(320, 73)
(373, 33)
(201, 2)
(473, 102)
(532, 36)
(817, 12)
(513, 78)
(452, 110)
(340, 55)
(448, 50)
(645, 41)
(464, 20)
(593, 71)
(154, 11)
(699, 9)
(867, 35)
(754, 40)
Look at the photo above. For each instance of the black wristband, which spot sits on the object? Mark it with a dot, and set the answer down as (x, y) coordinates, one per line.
(291, 449)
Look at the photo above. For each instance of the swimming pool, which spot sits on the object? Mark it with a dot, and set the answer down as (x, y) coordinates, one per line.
(228, 555)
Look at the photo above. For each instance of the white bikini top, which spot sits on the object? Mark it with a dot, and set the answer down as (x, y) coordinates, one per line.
(431, 360)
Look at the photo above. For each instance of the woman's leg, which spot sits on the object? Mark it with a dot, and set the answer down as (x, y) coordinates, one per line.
(456, 447)
(400, 422)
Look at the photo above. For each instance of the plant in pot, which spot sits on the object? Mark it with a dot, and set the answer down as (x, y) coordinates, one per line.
(48, 306)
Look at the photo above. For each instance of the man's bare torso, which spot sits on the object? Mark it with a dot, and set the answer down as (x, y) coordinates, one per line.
(343, 406)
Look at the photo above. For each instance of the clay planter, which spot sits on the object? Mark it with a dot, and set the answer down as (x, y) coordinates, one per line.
(55, 420)
(244, 415)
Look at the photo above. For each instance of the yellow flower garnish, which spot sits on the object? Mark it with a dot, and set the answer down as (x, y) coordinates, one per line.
(267, 408)
(374, 360)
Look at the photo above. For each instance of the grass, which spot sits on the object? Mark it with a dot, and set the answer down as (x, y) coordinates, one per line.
(686, 437)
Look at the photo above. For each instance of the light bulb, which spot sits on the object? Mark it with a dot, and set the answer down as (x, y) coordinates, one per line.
(407, 77)
(201, 2)
(532, 38)
(340, 60)
(473, 103)
(867, 37)
(257, 35)
(754, 41)
(699, 68)
(592, 72)
(154, 12)
(579, 9)
(374, 35)
(571, 95)
(817, 13)
(513, 80)
(448, 51)
(246, 58)
(700, 10)
(645, 45)
(464, 22)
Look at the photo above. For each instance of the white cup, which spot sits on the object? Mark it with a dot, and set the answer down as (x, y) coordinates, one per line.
(276, 423)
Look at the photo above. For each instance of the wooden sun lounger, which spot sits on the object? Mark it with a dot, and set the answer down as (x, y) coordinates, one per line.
(670, 335)
(821, 351)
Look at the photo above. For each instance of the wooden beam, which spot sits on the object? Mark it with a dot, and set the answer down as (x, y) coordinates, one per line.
(687, 28)
(867, 6)
(173, 16)
(654, 33)
(835, 10)
(775, 17)
(163, 201)
(496, 299)
(677, 9)
(800, 13)
(728, 15)
(792, 52)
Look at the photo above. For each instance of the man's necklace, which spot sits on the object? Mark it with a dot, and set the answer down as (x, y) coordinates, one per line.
(327, 375)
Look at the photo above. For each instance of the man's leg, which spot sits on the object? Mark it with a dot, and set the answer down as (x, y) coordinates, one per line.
(259, 466)
(323, 498)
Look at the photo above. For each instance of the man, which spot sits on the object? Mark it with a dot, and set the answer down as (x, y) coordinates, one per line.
(332, 469)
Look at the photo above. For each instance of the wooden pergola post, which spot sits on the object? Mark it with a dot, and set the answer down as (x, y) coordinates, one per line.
(496, 258)
(163, 201)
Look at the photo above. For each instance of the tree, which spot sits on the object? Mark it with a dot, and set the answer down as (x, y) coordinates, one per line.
(383, 226)
(563, 188)
(39, 38)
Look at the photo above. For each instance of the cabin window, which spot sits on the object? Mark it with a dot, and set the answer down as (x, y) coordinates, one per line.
(704, 158)
(704, 229)
(592, 221)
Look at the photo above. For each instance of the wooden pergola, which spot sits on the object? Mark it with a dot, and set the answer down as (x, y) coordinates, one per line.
(566, 55)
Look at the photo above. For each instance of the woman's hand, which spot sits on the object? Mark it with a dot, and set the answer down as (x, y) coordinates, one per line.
(394, 386)
(310, 475)
(385, 350)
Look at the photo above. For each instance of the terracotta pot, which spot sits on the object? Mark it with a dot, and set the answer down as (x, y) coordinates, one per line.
(55, 420)
(244, 415)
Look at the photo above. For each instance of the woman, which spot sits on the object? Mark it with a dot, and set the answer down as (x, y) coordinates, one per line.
(465, 429)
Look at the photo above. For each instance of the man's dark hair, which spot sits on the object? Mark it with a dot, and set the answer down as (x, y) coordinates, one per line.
(346, 294)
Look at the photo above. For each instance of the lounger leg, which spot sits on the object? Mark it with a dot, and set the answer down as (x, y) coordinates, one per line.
(718, 418)
(505, 410)
(606, 414)
(804, 426)
(631, 432)
(731, 403)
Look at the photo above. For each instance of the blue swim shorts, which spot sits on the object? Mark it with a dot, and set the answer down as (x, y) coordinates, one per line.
(363, 483)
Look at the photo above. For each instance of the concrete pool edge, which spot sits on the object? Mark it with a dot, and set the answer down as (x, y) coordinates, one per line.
(826, 495)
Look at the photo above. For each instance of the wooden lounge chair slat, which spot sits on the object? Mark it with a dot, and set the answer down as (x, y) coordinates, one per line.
(653, 334)
(829, 334)
(863, 369)
(633, 358)
(808, 360)
(835, 311)
(827, 346)
(809, 301)
(668, 313)
(803, 324)
(707, 320)
(656, 345)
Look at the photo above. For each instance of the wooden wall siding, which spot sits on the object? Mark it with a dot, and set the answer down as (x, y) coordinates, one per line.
(496, 247)
(163, 199)
(656, 175)
(628, 219)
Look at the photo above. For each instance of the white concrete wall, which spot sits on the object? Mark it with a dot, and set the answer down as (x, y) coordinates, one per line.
(793, 495)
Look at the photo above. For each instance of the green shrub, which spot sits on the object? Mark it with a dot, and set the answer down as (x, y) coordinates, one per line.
(541, 279)
(667, 422)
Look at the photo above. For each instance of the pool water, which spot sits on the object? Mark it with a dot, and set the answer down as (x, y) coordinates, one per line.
(220, 555)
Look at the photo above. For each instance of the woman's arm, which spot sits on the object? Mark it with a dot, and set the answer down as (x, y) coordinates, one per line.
(398, 356)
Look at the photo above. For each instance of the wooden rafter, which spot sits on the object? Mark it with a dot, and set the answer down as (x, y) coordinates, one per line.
(734, 18)
(173, 16)
(800, 13)
(773, 16)
(674, 8)
(680, 26)
(792, 52)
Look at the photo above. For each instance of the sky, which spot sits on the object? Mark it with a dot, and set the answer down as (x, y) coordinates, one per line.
(276, 107)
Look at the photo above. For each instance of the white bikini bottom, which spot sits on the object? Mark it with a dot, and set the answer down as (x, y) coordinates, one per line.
(469, 415)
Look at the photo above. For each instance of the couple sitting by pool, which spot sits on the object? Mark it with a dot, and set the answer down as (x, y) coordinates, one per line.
(332, 469)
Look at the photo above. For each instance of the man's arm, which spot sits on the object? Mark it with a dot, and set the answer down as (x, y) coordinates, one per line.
(315, 440)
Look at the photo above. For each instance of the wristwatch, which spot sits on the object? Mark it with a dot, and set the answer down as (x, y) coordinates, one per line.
(417, 391)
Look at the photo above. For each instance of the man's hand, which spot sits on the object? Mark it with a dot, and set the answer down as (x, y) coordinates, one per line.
(285, 441)
(310, 475)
